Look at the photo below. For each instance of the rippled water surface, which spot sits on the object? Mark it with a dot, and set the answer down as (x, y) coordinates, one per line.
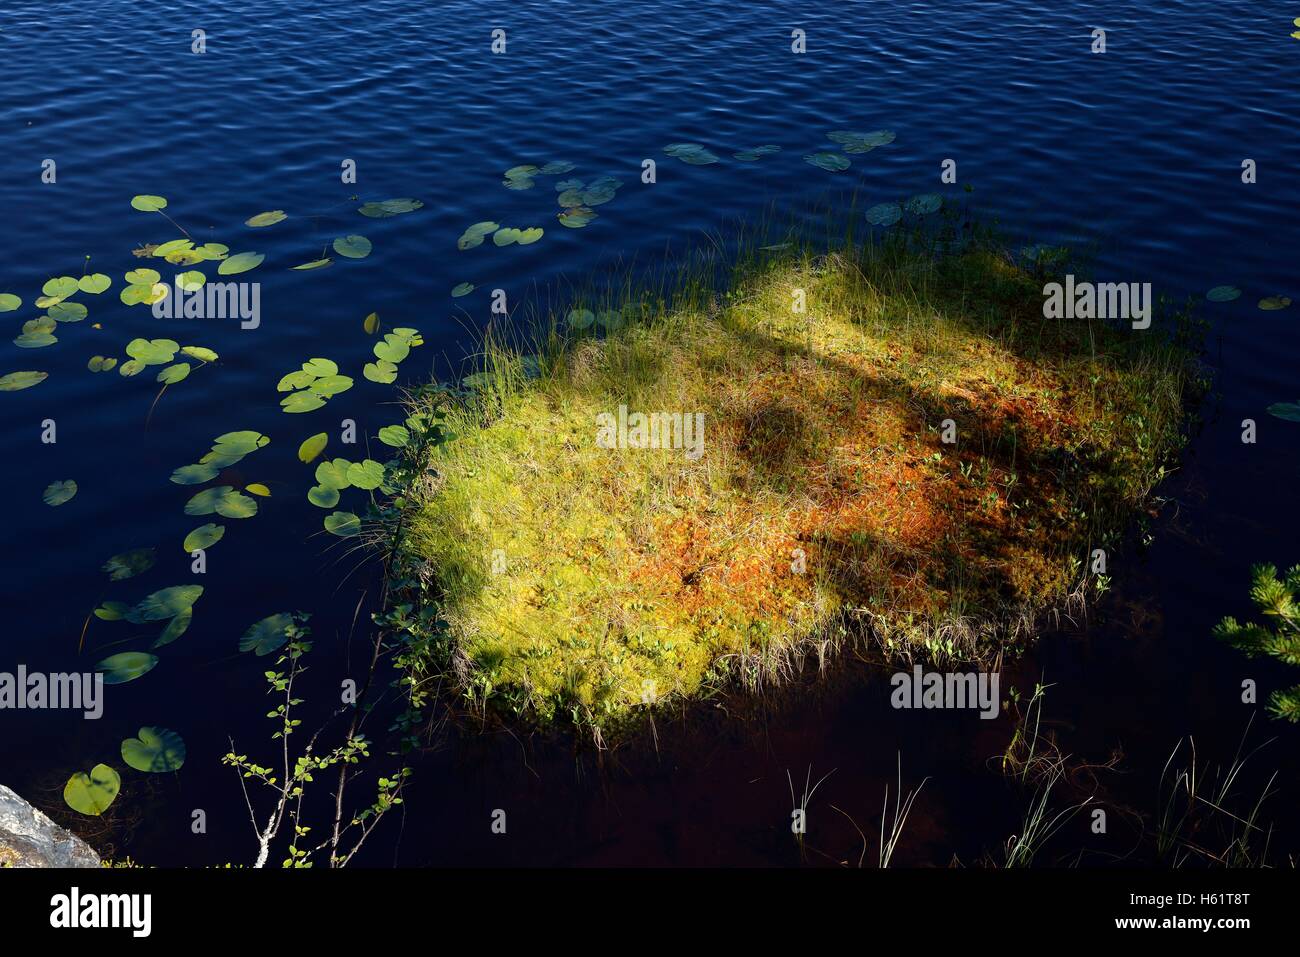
(1136, 152)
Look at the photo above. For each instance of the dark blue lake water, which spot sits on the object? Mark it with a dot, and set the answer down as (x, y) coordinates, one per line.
(1137, 151)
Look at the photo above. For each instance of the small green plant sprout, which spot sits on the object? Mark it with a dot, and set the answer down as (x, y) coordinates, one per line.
(1278, 599)
(289, 780)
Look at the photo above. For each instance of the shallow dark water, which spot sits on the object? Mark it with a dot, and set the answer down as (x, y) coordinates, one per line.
(1136, 151)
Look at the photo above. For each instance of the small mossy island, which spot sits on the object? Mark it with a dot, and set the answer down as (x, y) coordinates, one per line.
(898, 451)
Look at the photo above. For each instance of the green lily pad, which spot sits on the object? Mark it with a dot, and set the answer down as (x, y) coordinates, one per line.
(393, 349)
(91, 794)
(312, 447)
(330, 385)
(175, 628)
(884, 214)
(756, 153)
(112, 611)
(154, 751)
(334, 474)
(924, 204)
(834, 162)
(67, 312)
(129, 564)
(152, 352)
(301, 402)
(14, 381)
(202, 353)
(266, 219)
(195, 474)
(461, 289)
(390, 207)
(241, 262)
(148, 204)
(94, 284)
(314, 264)
(382, 372)
(352, 247)
(1273, 303)
(323, 496)
(1285, 410)
(204, 536)
(174, 373)
(35, 340)
(101, 363)
(164, 603)
(126, 666)
(267, 635)
(56, 493)
(577, 217)
(224, 501)
(143, 277)
(192, 280)
(342, 524)
(692, 153)
(320, 367)
(474, 235)
(580, 319)
(9, 302)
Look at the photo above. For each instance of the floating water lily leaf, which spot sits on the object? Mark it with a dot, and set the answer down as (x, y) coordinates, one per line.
(460, 289)
(393, 349)
(148, 204)
(174, 246)
(526, 237)
(112, 611)
(924, 204)
(852, 142)
(1273, 303)
(692, 153)
(131, 367)
(173, 374)
(312, 447)
(342, 524)
(314, 264)
(224, 500)
(213, 252)
(323, 496)
(164, 603)
(1285, 410)
(334, 474)
(126, 666)
(9, 302)
(203, 537)
(143, 277)
(474, 235)
(195, 474)
(367, 474)
(154, 751)
(298, 379)
(577, 217)
(94, 284)
(241, 262)
(519, 177)
(56, 493)
(353, 246)
(301, 402)
(192, 280)
(258, 489)
(67, 312)
(884, 214)
(756, 153)
(136, 293)
(390, 207)
(92, 793)
(267, 635)
(13, 381)
(129, 564)
(202, 353)
(40, 324)
(581, 318)
(834, 162)
(101, 363)
(395, 435)
(35, 340)
(175, 628)
(381, 371)
(371, 324)
(266, 219)
(152, 352)
(556, 167)
(330, 385)
(320, 367)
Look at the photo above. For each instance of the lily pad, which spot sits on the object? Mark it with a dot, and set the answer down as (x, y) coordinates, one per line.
(474, 235)
(56, 493)
(314, 264)
(461, 289)
(342, 524)
(195, 474)
(173, 374)
(352, 247)
(9, 302)
(834, 162)
(241, 262)
(312, 447)
(267, 635)
(164, 603)
(390, 207)
(175, 628)
(94, 284)
(126, 666)
(129, 564)
(1285, 410)
(323, 496)
(756, 153)
(203, 537)
(884, 214)
(269, 218)
(148, 204)
(14, 381)
(577, 217)
(154, 751)
(381, 371)
(367, 474)
(303, 401)
(924, 204)
(395, 435)
(101, 364)
(258, 489)
(1273, 303)
(91, 794)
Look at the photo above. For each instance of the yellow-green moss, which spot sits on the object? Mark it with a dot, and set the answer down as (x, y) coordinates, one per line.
(584, 580)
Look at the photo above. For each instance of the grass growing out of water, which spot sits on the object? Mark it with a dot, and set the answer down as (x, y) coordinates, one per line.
(825, 508)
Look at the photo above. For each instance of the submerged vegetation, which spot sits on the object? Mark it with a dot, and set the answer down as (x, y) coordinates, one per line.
(883, 445)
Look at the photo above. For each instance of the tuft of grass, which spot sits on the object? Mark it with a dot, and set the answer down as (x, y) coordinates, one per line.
(576, 581)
